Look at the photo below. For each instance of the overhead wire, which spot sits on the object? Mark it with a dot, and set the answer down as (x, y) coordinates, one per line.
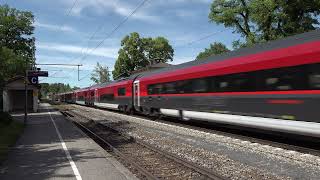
(86, 48)
(62, 24)
(112, 32)
(84, 76)
(88, 51)
(201, 38)
(68, 13)
(92, 36)
(115, 29)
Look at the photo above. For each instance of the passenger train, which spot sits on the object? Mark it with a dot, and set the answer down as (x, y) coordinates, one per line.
(272, 86)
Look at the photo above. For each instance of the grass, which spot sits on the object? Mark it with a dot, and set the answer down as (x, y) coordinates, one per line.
(9, 132)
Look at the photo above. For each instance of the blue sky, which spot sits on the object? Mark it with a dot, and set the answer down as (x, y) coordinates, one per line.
(63, 38)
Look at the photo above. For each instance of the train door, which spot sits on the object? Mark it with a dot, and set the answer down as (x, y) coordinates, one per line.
(136, 94)
(96, 96)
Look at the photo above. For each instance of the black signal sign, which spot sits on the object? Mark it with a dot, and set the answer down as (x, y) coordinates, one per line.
(38, 73)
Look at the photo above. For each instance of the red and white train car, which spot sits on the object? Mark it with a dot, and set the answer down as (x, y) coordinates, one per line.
(273, 86)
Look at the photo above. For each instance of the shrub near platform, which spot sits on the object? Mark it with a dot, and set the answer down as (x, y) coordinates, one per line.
(9, 133)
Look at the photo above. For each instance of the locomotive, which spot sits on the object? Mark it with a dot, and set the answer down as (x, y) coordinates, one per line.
(271, 86)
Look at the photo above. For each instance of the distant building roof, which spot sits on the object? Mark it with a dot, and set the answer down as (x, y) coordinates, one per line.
(19, 78)
(13, 79)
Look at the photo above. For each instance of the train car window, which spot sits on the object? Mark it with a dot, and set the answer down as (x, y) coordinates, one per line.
(314, 81)
(157, 89)
(80, 98)
(170, 88)
(223, 85)
(314, 76)
(211, 83)
(242, 82)
(184, 86)
(106, 97)
(180, 86)
(199, 85)
(92, 93)
(289, 78)
(150, 89)
(121, 91)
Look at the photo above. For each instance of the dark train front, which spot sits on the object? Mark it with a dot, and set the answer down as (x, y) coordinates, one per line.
(273, 86)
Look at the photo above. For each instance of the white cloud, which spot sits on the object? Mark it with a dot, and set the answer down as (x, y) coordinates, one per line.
(103, 7)
(102, 51)
(54, 27)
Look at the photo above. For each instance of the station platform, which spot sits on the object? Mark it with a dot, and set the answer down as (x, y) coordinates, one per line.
(52, 147)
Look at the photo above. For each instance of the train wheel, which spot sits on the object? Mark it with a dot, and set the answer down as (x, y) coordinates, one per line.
(128, 110)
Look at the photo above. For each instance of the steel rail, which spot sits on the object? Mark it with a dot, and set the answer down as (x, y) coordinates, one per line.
(210, 174)
(112, 148)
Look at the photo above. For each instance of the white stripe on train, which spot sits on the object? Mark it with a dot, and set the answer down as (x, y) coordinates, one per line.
(288, 126)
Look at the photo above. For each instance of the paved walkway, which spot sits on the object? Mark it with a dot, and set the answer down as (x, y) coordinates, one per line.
(53, 148)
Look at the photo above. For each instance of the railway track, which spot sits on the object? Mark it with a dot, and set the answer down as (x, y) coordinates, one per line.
(284, 141)
(146, 161)
(189, 142)
(253, 137)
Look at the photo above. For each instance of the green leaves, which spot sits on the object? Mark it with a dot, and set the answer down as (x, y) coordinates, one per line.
(215, 49)
(55, 88)
(264, 20)
(137, 53)
(11, 65)
(17, 47)
(100, 74)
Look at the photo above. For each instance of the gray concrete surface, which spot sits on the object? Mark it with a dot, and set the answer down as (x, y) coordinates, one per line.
(39, 153)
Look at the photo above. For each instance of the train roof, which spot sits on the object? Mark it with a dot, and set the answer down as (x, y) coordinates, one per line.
(101, 85)
(258, 48)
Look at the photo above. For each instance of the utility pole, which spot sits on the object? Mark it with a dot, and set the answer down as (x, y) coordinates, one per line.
(79, 72)
(26, 94)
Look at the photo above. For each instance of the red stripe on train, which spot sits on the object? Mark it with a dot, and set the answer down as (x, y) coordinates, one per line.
(294, 92)
(285, 101)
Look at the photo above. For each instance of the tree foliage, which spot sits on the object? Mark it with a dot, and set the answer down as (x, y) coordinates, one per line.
(100, 74)
(264, 20)
(55, 88)
(214, 49)
(136, 53)
(11, 65)
(16, 42)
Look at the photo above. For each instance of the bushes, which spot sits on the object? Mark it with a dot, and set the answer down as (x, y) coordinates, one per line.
(5, 119)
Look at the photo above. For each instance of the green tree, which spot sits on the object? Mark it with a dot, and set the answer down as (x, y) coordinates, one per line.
(100, 74)
(54, 88)
(136, 53)
(235, 14)
(16, 32)
(158, 50)
(16, 43)
(264, 20)
(214, 49)
(11, 65)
